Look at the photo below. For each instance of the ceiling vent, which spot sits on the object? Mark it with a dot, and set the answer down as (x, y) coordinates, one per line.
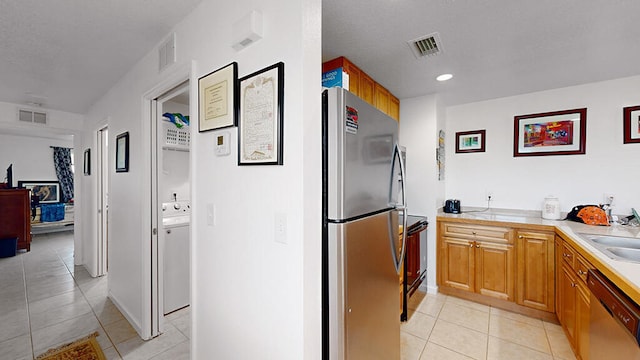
(30, 116)
(427, 45)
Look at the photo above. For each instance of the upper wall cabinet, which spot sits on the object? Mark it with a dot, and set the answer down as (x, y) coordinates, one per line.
(365, 87)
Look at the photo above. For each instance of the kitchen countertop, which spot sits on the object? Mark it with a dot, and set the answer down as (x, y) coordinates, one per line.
(626, 275)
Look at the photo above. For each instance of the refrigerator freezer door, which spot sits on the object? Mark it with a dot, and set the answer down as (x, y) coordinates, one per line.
(360, 148)
(364, 306)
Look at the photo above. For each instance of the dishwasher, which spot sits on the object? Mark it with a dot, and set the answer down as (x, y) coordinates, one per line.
(614, 322)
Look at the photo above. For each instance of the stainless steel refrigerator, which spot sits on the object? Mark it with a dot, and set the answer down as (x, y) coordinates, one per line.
(363, 206)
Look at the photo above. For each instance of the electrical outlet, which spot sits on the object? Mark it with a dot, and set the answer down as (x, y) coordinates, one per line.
(489, 196)
(608, 198)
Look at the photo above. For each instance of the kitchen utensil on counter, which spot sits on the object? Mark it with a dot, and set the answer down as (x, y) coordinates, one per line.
(451, 206)
(551, 208)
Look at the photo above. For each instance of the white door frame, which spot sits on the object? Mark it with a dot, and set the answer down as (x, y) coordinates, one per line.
(102, 176)
(152, 321)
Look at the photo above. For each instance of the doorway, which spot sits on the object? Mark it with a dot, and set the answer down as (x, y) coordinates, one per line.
(170, 203)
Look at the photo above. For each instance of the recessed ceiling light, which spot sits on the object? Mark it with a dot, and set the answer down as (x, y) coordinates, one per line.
(444, 77)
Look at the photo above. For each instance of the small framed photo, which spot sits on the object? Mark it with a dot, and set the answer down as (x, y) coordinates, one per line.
(122, 152)
(260, 130)
(48, 192)
(552, 133)
(631, 116)
(218, 98)
(87, 162)
(470, 141)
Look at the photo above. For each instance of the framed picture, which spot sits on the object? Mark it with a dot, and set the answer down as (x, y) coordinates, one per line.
(631, 116)
(87, 162)
(470, 141)
(553, 133)
(217, 98)
(47, 191)
(122, 152)
(260, 129)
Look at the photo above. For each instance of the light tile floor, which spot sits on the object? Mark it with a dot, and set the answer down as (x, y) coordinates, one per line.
(47, 301)
(448, 328)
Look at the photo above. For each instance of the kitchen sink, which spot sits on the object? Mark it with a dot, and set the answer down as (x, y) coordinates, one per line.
(616, 247)
(617, 241)
(628, 254)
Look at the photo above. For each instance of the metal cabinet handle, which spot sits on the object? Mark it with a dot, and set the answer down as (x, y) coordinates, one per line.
(470, 244)
(520, 237)
(477, 245)
(168, 231)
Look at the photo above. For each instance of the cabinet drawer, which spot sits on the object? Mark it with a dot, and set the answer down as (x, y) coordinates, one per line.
(494, 234)
(582, 267)
(568, 255)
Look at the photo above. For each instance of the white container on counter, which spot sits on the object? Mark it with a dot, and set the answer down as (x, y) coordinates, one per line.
(551, 208)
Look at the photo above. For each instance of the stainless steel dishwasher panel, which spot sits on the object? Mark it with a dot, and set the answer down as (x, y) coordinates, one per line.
(609, 338)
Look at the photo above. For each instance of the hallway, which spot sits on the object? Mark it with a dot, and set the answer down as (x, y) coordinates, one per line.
(47, 302)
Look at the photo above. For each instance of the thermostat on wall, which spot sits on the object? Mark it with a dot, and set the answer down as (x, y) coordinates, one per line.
(222, 144)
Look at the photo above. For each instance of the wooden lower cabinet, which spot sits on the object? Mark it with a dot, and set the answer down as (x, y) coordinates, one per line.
(574, 297)
(535, 268)
(482, 266)
(508, 267)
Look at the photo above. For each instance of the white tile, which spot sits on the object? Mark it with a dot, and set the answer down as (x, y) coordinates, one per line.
(436, 352)
(505, 350)
(517, 317)
(120, 331)
(411, 346)
(462, 340)
(14, 324)
(183, 324)
(419, 325)
(520, 333)
(56, 315)
(181, 351)
(106, 311)
(137, 349)
(465, 316)
(111, 353)
(16, 348)
(467, 303)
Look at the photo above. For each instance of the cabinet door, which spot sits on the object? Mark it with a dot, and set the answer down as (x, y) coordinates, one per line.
(394, 107)
(381, 96)
(567, 287)
(354, 77)
(366, 88)
(583, 312)
(535, 270)
(495, 270)
(457, 264)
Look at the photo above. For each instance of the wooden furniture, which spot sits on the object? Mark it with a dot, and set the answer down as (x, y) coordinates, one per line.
(363, 86)
(15, 216)
(573, 308)
(481, 262)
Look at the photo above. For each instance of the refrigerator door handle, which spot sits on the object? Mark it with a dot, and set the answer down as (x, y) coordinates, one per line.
(402, 207)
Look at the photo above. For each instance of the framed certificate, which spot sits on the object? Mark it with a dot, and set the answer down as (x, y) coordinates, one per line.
(122, 152)
(217, 98)
(260, 130)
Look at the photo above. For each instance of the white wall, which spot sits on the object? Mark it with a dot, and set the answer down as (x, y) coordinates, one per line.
(252, 297)
(609, 166)
(32, 157)
(419, 134)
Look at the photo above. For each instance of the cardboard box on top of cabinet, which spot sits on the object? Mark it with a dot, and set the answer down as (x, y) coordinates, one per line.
(335, 77)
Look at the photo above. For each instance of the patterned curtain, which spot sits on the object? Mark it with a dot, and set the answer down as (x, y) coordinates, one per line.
(62, 162)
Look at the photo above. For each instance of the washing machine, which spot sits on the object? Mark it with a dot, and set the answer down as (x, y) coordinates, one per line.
(176, 219)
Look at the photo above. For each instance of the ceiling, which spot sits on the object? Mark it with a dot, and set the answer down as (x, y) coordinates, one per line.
(66, 54)
(494, 48)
